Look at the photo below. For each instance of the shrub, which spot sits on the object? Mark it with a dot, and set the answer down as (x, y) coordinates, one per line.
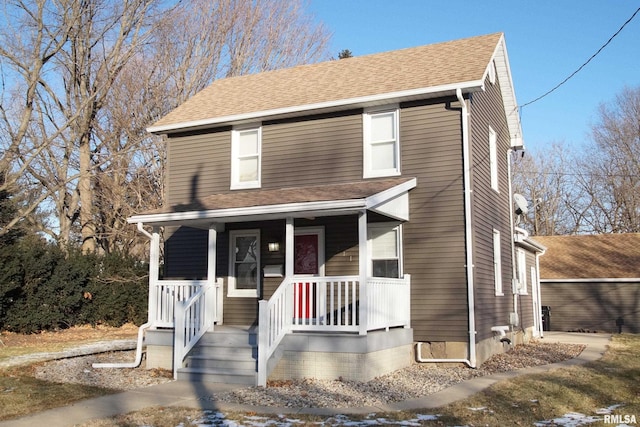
(118, 292)
(42, 288)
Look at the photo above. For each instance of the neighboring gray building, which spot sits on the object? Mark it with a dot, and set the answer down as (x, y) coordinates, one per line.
(353, 215)
(592, 282)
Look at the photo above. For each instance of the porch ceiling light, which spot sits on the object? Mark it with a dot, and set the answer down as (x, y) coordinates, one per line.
(274, 246)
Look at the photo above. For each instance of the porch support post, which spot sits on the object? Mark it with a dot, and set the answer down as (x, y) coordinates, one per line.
(288, 251)
(362, 262)
(154, 267)
(211, 300)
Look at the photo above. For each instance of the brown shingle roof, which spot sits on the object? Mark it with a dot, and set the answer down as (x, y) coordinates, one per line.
(590, 256)
(427, 66)
(254, 198)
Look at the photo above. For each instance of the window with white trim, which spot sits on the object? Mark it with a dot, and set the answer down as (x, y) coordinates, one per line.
(381, 143)
(246, 147)
(493, 158)
(244, 263)
(497, 263)
(521, 272)
(385, 250)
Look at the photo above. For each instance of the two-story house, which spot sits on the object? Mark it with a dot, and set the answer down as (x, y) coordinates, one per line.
(342, 219)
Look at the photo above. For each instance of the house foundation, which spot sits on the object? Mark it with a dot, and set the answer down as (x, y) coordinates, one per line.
(315, 355)
(348, 357)
(159, 349)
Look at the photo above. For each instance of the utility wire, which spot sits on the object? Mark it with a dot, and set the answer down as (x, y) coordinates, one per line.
(585, 64)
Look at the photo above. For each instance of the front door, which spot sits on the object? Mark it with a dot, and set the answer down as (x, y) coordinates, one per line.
(308, 261)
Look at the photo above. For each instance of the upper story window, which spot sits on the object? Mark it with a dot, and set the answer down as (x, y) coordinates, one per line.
(493, 158)
(381, 143)
(246, 149)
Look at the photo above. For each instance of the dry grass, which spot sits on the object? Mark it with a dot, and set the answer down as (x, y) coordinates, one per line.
(22, 394)
(12, 344)
(615, 379)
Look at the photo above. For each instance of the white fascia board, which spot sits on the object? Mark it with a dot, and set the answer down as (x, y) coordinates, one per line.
(503, 72)
(602, 280)
(227, 215)
(529, 244)
(393, 202)
(470, 86)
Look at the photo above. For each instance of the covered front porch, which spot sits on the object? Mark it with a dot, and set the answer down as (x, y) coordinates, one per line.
(291, 293)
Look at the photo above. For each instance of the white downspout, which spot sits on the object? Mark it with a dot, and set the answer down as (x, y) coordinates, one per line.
(512, 237)
(466, 160)
(153, 276)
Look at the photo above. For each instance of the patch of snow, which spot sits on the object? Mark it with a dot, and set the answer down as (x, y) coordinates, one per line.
(608, 409)
(571, 419)
(212, 418)
(428, 417)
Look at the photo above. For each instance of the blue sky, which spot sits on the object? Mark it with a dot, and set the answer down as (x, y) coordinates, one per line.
(546, 42)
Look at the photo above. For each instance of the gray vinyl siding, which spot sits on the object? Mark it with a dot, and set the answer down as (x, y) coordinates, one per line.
(198, 164)
(592, 306)
(490, 210)
(319, 150)
(328, 149)
(430, 140)
(186, 256)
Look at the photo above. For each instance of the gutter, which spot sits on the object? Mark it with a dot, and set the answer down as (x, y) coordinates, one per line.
(468, 229)
(342, 104)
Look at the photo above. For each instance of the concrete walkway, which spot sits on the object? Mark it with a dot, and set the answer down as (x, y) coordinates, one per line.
(202, 395)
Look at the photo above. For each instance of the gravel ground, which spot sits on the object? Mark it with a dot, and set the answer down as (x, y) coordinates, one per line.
(416, 381)
(79, 370)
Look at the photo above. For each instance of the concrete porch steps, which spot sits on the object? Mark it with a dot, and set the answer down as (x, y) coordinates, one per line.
(226, 355)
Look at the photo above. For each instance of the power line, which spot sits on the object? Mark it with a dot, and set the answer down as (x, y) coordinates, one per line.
(608, 175)
(585, 64)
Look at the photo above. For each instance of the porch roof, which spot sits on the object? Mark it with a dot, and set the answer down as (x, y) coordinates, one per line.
(388, 197)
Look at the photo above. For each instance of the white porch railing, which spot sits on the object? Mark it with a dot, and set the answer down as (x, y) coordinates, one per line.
(330, 304)
(193, 317)
(164, 296)
(321, 304)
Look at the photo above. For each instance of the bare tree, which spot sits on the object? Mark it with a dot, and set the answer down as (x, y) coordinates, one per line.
(80, 47)
(596, 189)
(31, 38)
(610, 168)
(546, 178)
(82, 79)
(187, 52)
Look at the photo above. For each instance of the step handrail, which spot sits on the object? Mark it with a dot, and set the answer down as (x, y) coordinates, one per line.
(192, 321)
(274, 322)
